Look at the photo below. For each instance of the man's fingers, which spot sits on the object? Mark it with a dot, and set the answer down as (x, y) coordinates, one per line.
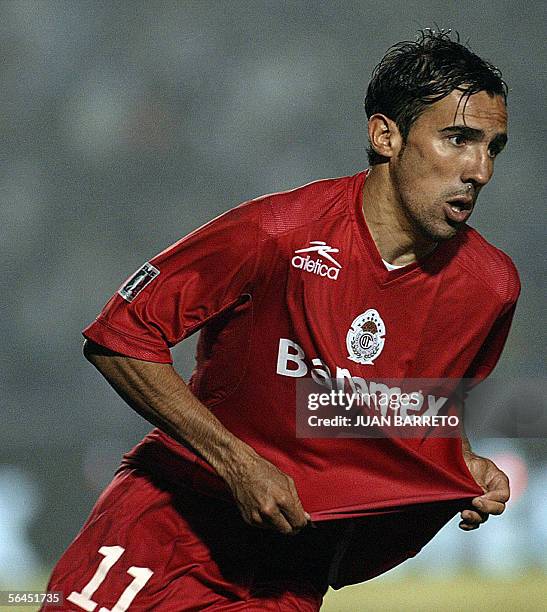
(291, 506)
(467, 527)
(494, 500)
(268, 499)
(294, 513)
(498, 488)
(278, 522)
(474, 518)
(483, 507)
(495, 485)
(295, 517)
(282, 515)
(488, 506)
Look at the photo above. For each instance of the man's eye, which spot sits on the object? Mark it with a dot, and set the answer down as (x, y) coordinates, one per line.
(457, 139)
(494, 151)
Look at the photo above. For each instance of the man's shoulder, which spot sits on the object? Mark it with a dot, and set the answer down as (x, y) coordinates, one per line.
(274, 214)
(283, 211)
(489, 263)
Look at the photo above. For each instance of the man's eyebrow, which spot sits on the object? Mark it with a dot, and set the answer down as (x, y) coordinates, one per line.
(464, 130)
(499, 141)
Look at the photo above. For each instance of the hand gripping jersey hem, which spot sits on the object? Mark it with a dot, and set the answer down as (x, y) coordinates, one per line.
(195, 473)
(111, 338)
(384, 507)
(158, 453)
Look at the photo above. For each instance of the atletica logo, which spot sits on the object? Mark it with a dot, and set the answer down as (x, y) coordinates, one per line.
(317, 266)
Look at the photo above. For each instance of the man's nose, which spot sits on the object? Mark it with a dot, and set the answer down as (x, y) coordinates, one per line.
(479, 169)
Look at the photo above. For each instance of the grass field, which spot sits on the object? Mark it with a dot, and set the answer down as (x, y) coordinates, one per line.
(418, 594)
(461, 594)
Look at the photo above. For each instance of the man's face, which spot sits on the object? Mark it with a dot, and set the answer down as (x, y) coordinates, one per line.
(446, 160)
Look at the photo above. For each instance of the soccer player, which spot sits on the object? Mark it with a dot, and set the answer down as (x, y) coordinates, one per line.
(376, 275)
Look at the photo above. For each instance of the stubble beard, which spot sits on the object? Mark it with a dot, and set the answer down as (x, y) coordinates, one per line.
(426, 227)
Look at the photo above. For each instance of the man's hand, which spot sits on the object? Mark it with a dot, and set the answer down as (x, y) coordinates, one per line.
(266, 496)
(495, 485)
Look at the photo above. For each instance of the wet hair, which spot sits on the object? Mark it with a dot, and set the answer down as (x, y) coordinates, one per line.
(415, 74)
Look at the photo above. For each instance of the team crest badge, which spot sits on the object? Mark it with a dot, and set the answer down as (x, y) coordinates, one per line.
(365, 338)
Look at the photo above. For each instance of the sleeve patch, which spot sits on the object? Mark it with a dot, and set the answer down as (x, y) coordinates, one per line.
(138, 281)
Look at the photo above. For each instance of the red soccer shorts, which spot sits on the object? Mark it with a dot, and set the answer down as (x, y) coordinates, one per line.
(149, 547)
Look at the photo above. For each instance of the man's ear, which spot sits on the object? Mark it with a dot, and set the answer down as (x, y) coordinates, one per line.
(384, 136)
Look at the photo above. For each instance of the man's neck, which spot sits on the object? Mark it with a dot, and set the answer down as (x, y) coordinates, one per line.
(396, 239)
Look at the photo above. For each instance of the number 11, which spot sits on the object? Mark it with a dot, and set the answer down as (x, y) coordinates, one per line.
(111, 554)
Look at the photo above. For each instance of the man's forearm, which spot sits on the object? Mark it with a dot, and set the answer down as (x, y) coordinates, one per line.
(266, 496)
(159, 394)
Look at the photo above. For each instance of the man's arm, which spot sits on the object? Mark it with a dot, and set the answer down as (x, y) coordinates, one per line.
(266, 497)
(493, 482)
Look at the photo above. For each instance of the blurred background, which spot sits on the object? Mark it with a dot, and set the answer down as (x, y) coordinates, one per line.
(127, 124)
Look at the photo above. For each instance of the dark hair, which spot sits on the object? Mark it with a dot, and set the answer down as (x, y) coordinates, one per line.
(413, 75)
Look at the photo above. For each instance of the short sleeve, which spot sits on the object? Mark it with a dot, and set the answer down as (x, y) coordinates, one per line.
(178, 291)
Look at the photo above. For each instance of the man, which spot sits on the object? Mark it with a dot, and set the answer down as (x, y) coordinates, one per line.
(200, 512)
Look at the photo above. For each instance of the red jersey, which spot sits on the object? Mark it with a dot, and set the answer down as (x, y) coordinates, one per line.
(275, 285)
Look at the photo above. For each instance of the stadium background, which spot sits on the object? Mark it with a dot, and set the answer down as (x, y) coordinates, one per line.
(127, 124)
